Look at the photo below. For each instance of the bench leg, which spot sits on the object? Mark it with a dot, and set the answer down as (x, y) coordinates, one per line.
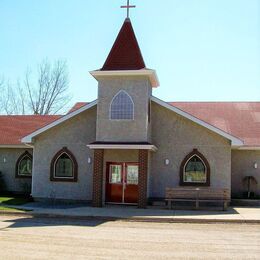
(225, 205)
(197, 204)
(169, 204)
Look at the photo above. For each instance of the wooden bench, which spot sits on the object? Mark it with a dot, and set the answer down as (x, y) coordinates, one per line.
(197, 195)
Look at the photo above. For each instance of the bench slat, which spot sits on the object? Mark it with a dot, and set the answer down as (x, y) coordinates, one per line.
(197, 195)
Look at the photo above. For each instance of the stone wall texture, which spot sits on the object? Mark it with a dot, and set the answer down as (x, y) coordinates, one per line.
(143, 178)
(97, 200)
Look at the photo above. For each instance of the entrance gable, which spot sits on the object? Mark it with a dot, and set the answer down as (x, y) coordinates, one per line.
(235, 142)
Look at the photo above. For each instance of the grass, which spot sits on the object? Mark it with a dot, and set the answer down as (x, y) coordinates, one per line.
(10, 209)
(7, 201)
(14, 201)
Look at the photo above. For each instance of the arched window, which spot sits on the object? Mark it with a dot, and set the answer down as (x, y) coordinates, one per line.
(64, 166)
(24, 166)
(122, 107)
(195, 170)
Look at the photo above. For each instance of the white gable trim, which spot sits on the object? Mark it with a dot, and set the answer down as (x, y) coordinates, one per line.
(234, 140)
(152, 75)
(28, 138)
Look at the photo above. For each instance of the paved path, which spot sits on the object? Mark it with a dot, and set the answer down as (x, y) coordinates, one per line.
(232, 214)
(47, 238)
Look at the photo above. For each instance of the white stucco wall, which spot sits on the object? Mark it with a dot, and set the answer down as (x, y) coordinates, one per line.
(175, 137)
(242, 166)
(74, 134)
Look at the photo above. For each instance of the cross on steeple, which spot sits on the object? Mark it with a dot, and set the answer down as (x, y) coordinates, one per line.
(128, 6)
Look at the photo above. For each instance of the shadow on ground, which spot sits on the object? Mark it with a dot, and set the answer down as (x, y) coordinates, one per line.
(52, 221)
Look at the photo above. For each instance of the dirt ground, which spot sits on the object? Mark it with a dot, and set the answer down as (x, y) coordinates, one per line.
(48, 238)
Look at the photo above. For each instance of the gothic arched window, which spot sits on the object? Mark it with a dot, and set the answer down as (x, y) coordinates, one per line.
(24, 166)
(64, 166)
(195, 170)
(122, 107)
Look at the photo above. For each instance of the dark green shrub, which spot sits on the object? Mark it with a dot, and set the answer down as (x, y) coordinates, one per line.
(26, 187)
(2, 184)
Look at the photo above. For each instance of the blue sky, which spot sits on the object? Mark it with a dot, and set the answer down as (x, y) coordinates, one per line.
(203, 50)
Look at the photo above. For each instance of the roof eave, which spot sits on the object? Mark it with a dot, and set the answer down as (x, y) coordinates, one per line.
(151, 74)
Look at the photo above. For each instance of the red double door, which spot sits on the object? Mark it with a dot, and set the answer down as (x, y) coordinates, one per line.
(122, 182)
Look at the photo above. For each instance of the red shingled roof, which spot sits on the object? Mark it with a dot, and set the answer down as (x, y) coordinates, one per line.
(125, 53)
(240, 119)
(13, 128)
(77, 106)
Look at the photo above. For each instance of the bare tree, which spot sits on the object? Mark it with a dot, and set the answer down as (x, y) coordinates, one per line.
(50, 94)
(1, 82)
(41, 94)
(8, 101)
(12, 98)
(1, 91)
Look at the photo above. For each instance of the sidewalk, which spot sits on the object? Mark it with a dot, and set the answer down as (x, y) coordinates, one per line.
(233, 214)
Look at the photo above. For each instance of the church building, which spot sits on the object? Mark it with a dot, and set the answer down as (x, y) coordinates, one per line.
(128, 146)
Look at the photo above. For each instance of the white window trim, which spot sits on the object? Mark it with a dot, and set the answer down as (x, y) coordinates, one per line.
(112, 103)
(18, 170)
(206, 170)
(54, 168)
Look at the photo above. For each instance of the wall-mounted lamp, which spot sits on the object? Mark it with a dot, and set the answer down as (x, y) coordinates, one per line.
(4, 160)
(255, 165)
(89, 160)
(167, 161)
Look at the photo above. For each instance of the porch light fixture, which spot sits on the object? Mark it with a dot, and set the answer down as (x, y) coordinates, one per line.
(255, 165)
(89, 160)
(4, 160)
(167, 161)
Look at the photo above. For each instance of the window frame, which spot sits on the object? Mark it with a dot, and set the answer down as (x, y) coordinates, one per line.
(54, 160)
(121, 174)
(195, 152)
(17, 174)
(110, 106)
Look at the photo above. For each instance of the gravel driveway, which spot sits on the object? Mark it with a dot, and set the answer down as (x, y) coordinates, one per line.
(48, 238)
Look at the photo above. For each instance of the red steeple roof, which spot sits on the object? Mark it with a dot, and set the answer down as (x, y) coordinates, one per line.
(125, 53)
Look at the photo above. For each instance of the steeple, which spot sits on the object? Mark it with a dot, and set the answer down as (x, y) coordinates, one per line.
(125, 53)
